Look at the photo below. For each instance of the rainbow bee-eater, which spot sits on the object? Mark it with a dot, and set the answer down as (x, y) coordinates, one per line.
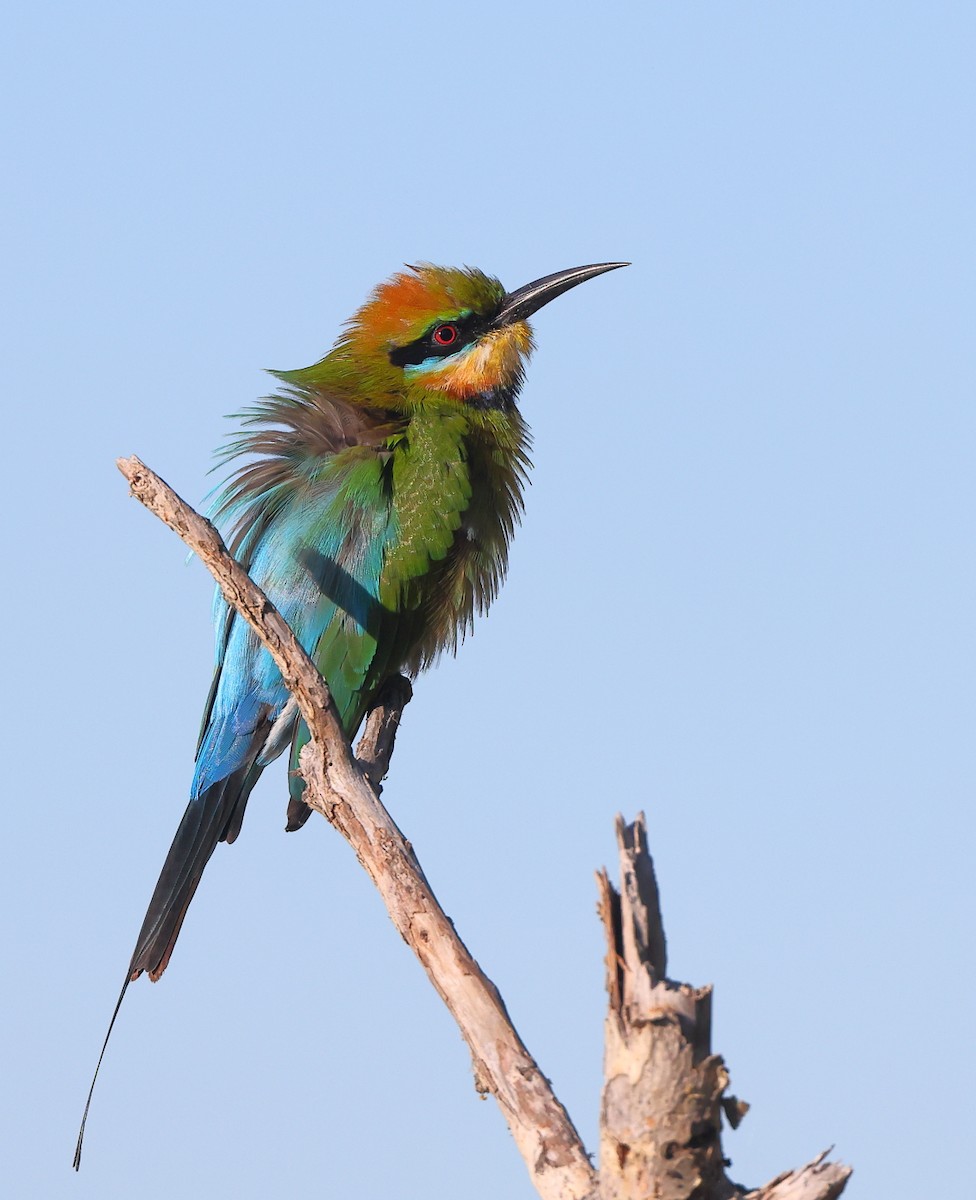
(374, 501)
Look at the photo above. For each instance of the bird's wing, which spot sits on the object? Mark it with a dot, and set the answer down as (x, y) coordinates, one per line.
(319, 559)
(317, 550)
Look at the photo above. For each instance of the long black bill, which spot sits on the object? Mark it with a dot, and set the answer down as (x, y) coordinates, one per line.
(529, 299)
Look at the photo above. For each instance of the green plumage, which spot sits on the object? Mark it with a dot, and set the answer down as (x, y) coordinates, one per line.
(372, 498)
(425, 490)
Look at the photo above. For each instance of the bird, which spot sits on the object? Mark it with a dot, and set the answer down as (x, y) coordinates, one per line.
(372, 497)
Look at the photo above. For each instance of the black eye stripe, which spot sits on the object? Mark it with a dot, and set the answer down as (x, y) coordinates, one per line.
(469, 329)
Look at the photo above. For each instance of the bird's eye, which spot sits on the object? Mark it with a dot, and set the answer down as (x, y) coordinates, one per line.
(445, 335)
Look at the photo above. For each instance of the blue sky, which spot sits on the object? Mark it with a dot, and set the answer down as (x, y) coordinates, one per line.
(742, 598)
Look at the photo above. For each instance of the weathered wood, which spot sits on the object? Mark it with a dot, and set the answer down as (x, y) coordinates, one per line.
(659, 1121)
(375, 747)
(339, 788)
(818, 1180)
(664, 1090)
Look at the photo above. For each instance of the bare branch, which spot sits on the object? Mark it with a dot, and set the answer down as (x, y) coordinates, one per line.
(664, 1089)
(340, 788)
(664, 1093)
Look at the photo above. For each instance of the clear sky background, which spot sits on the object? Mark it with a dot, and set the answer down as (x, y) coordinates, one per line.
(742, 598)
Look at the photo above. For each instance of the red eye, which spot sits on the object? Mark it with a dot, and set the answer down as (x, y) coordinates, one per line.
(445, 335)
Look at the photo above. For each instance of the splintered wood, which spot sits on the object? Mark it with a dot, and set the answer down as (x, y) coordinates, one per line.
(664, 1089)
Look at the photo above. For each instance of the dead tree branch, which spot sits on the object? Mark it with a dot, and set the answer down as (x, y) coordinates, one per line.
(340, 788)
(664, 1089)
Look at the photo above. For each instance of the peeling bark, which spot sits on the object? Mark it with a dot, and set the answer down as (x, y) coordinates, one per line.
(664, 1089)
